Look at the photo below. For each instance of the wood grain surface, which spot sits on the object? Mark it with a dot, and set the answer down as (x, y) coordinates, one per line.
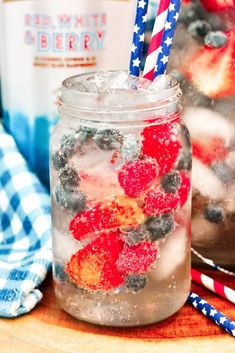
(48, 329)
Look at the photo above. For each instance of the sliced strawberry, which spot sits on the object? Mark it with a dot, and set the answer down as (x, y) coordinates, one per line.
(138, 258)
(162, 143)
(212, 150)
(135, 177)
(120, 212)
(212, 70)
(217, 5)
(94, 266)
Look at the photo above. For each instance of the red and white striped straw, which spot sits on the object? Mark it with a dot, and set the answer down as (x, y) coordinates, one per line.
(156, 39)
(213, 285)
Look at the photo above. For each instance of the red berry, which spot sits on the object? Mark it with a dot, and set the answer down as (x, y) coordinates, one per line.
(157, 202)
(217, 5)
(135, 177)
(94, 266)
(162, 143)
(184, 189)
(121, 212)
(212, 150)
(138, 258)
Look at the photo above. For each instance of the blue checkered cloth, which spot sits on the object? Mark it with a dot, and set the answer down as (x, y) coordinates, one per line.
(25, 236)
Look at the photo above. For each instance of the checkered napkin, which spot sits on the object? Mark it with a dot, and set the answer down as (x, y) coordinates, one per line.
(25, 237)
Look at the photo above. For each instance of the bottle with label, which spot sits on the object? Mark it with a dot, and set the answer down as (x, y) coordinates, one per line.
(45, 41)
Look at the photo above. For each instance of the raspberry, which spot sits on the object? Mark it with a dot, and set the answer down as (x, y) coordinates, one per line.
(157, 202)
(162, 143)
(94, 266)
(137, 259)
(184, 189)
(135, 177)
(121, 212)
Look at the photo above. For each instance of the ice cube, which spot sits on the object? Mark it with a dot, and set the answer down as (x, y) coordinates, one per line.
(160, 83)
(107, 81)
(64, 246)
(203, 231)
(172, 253)
(203, 122)
(206, 182)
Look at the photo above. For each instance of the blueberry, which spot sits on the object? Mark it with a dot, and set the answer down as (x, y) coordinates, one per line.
(185, 161)
(214, 213)
(134, 236)
(223, 172)
(160, 226)
(87, 131)
(72, 201)
(58, 160)
(171, 182)
(135, 283)
(108, 139)
(199, 28)
(59, 272)
(191, 13)
(69, 178)
(72, 142)
(216, 39)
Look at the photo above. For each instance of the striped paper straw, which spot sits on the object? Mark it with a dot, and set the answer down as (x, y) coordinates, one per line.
(156, 39)
(212, 313)
(211, 263)
(167, 38)
(213, 285)
(138, 37)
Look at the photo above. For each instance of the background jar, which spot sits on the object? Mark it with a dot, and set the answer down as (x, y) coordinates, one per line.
(203, 60)
(120, 185)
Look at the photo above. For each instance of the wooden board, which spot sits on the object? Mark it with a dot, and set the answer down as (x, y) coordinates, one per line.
(48, 329)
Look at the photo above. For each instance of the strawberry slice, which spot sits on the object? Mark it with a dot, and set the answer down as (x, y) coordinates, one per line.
(212, 150)
(212, 70)
(94, 266)
(217, 5)
(120, 212)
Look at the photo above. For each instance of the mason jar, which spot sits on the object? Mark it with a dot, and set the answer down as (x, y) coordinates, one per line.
(203, 60)
(120, 186)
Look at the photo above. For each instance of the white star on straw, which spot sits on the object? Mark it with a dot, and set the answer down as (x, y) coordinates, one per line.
(144, 18)
(168, 41)
(233, 332)
(141, 4)
(167, 25)
(213, 312)
(176, 16)
(222, 320)
(202, 301)
(172, 7)
(136, 28)
(193, 295)
(133, 48)
(136, 62)
(165, 59)
(160, 51)
(204, 311)
(141, 37)
(195, 303)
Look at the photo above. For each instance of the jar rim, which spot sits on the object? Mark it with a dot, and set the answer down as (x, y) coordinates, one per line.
(118, 100)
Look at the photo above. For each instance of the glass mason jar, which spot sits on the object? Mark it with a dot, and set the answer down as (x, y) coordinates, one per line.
(120, 184)
(203, 60)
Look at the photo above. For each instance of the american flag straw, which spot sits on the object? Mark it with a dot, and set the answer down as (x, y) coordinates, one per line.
(138, 37)
(212, 313)
(211, 263)
(167, 38)
(156, 39)
(213, 285)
